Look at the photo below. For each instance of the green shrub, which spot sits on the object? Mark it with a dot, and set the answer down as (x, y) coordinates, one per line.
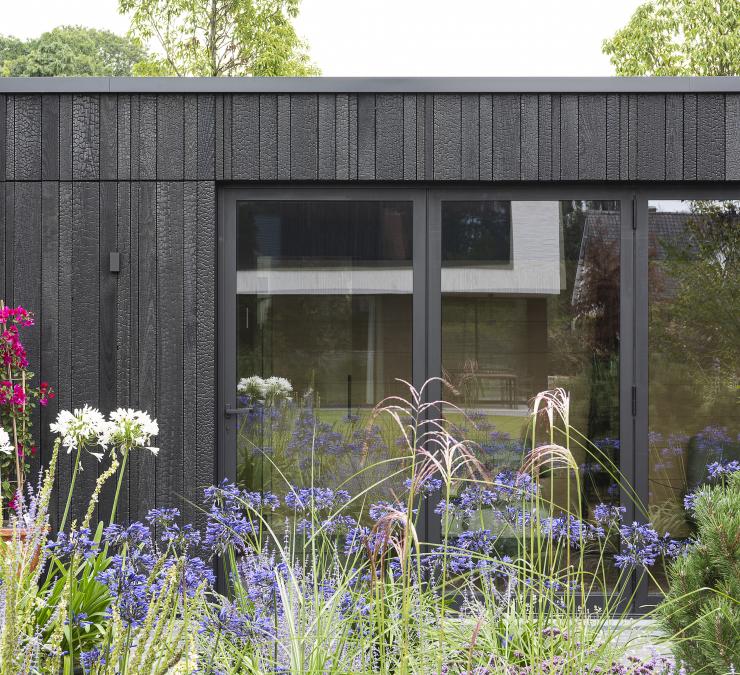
(702, 607)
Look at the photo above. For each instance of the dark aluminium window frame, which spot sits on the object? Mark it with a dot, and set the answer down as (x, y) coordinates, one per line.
(426, 331)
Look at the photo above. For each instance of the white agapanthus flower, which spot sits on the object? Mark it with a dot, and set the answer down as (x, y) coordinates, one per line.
(277, 389)
(6, 447)
(253, 386)
(128, 428)
(82, 428)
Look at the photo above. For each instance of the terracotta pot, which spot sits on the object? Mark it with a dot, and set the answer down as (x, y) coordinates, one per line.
(6, 536)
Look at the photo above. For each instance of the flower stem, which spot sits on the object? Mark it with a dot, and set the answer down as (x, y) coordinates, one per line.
(71, 489)
(118, 486)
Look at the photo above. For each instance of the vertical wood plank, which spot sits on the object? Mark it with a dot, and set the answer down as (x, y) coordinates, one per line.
(142, 479)
(135, 135)
(732, 134)
(342, 136)
(147, 133)
(389, 137)
(245, 137)
(64, 357)
(3, 136)
(228, 130)
(206, 136)
(26, 249)
(366, 137)
(85, 137)
(633, 137)
(205, 462)
(49, 137)
(268, 136)
(556, 136)
(169, 342)
(409, 137)
(283, 139)
(108, 301)
(506, 137)
(569, 137)
(612, 137)
(674, 137)
(710, 141)
(108, 137)
(624, 137)
(66, 137)
(447, 136)
(124, 137)
(470, 139)
(108, 282)
(592, 137)
(27, 137)
(651, 137)
(353, 140)
(486, 137)
(85, 322)
(9, 138)
(49, 318)
(134, 397)
(529, 136)
(3, 232)
(327, 137)
(9, 229)
(170, 137)
(219, 139)
(689, 136)
(304, 141)
(421, 137)
(190, 135)
(544, 136)
(124, 310)
(189, 347)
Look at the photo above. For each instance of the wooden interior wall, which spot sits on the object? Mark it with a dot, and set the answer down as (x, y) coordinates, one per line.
(84, 175)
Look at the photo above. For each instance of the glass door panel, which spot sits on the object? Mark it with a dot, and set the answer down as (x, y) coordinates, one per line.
(323, 332)
(531, 301)
(694, 352)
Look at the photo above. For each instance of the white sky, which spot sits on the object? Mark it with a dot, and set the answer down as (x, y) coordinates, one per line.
(406, 37)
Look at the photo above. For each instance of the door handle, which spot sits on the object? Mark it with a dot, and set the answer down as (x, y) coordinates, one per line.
(234, 412)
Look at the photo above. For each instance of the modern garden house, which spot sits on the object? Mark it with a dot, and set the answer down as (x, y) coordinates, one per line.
(183, 241)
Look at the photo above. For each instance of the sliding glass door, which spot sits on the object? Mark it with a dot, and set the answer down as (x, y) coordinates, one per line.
(690, 296)
(322, 299)
(330, 297)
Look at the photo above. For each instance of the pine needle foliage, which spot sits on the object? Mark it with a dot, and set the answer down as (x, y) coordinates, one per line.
(702, 607)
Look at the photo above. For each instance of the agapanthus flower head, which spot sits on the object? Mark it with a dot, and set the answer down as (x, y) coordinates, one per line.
(424, 486)
(718, 470)
(6, 447)
(253, 386)
(277, 389)
(608, 515)
(642, 546)
(315, 498)
(130, 429)
(164, 517)
(135, 534)
(84, 427)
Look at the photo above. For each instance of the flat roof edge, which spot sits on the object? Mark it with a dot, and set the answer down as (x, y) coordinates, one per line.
(419, 85)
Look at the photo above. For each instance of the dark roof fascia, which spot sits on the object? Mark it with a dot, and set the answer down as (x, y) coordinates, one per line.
(337, 85)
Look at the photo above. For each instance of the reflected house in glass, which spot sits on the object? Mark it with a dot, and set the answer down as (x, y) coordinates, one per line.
(509, 235)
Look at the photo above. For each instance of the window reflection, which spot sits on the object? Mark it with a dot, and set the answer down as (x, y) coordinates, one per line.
(694, 356)
(324, 303)
(548, 319)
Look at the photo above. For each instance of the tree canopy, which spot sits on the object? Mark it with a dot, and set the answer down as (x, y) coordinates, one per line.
(70, 50)
(219, 37)
(679, 37)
